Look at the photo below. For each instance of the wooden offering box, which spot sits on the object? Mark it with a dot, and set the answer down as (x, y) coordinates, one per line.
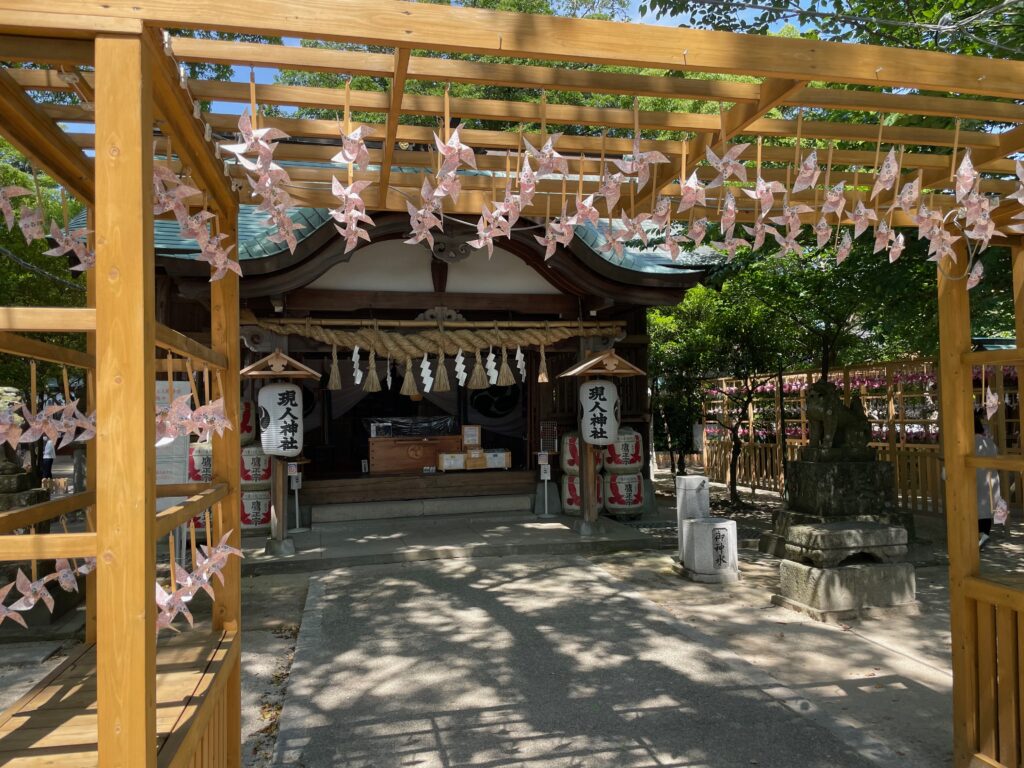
(409, 455)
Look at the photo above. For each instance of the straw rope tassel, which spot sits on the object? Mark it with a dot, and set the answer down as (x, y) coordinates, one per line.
(334, 380)
(542, 376)
(441, 381)
(409, 380)
(372, 383)
(477, 379)
(505, 377)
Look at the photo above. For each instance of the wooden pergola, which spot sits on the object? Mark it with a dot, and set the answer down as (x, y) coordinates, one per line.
(114, 56)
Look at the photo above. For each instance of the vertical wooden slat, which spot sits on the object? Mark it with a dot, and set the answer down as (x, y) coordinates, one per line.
(226, 461)
(1006, 668)
(125, 456)
(987, 720)
(961, 499)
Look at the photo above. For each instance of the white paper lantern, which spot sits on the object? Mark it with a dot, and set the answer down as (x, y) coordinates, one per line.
(599, 411)
(281, 419)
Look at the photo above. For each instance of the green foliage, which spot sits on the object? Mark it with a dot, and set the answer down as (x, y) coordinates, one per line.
(20, 286)
(979, 27)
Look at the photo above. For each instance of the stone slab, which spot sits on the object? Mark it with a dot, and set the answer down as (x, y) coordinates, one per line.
(827, 545)
(848, 587)
(383, 510)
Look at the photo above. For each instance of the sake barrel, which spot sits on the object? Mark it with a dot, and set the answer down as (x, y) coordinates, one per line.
(625, 455)
(200, 463)
(247, 416)
(255, 508)
(572, 494)
(255, 468)
(572, 449)
(623, 492)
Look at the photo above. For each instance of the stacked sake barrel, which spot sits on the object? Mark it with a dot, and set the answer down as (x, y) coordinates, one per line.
(623, 481)
(255, 472)
(572, 489)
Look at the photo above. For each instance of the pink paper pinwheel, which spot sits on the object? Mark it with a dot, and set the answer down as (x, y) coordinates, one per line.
(790, 218)
(940, 245)
(823, 232)
(1018, 194)
(217, 556)
(882, 233)
(448, 185)
(454, 153)
(170, 605)
(548, 160)
(896, 246)
(808, 174)
(977, 273)
(697, 231)
(787, 242)
(41, 424)
(31, 593)
(353, 148)
(9, 613)
(253, 140)
(7, 194)
(610, 190)
(586, 211)
(527, 184)
(210, 418)
(835, 200)
(639, 163)
(510, 207)
(845, 247)
(10, 427)
(730, 245)
(861, 217)
(64, 576)
(909, 195)
(661, 213)
(758, 231)
(633, 228)
(966, 177)
(728, 165)
(422, 220)
(191, 583)
(30, 220)
(764, 192)
(886, 174)
(691, 194)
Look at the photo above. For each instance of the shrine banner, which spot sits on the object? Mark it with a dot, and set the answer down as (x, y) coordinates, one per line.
(599, 411)
(281, 419)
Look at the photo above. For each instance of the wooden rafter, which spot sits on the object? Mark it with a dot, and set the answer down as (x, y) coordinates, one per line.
(27, 127)
(743, 117)
(394, 113)
(1006, 144)
(190, 144)
(39, 50)
(470, 30)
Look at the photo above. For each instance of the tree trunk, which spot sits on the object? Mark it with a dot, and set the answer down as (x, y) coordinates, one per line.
(734, 461)
(782, 428)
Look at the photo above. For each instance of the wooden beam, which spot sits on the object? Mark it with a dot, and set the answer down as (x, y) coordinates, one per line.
(820, 130)
(179, 343)
(69, 22)
(37, 137)
(441, 70)
(227, 605)
(321, 300)
(427, 26)
(957, 425)
(125, 436)
(47, 319)
(741, 116)
(13, 344)
(47, 546)
(395, 99)
(170, 518)
(187, 131)
(46, 510)
(41, 50)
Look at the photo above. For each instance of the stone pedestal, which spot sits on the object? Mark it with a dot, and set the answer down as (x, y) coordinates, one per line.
(14, 488)
(828, 545)
(847, 592)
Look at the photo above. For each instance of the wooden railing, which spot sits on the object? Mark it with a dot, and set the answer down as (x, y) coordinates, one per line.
(917, 470)
(996, 628)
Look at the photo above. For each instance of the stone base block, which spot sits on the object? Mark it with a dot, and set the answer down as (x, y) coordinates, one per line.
(839, 488)
(280, 548)
(21, 499)
(15, 483)
(841, 617)
(828, 545)
(719, 577)
(848, 591)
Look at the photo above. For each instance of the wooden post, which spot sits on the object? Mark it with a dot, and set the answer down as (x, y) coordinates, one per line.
(227, 607)
(125, 403)
(279, 499)
(1017, 262)
(90, 446)
(957, 419)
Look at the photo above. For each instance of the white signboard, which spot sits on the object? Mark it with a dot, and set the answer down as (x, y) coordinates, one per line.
(171, 458)
(599, 411)
(281, 419)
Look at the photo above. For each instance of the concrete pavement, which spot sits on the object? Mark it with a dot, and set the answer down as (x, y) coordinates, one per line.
(538, 662)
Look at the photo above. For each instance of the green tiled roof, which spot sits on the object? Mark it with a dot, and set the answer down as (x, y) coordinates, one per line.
(255, 243)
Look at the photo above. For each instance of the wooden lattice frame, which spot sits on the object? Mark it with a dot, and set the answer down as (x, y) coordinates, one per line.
(134, 74)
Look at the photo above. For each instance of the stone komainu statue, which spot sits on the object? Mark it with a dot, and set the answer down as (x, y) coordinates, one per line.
(836, 431)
